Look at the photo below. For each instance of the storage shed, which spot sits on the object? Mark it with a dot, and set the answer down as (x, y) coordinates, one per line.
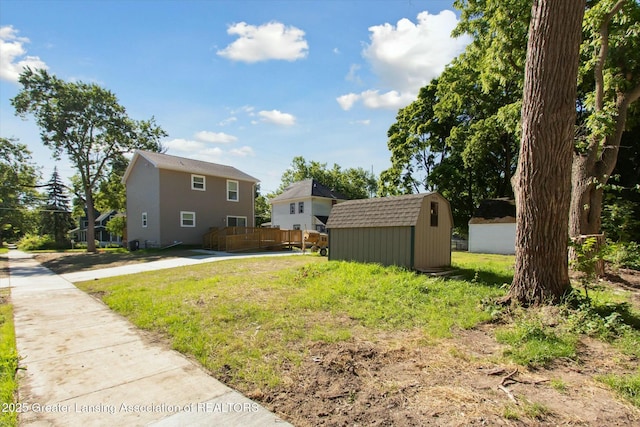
(412, 231)
(492, 230)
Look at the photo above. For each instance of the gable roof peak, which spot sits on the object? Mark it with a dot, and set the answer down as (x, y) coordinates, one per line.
(309, 187)
(183, 164)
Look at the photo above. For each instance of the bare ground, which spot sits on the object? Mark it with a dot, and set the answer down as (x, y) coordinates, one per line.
(399, 379)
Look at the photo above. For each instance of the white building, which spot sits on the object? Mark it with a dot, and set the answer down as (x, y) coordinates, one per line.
(304, 205)
(492, 230)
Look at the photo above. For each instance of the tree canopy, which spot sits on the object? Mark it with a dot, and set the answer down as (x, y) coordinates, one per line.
(18, 193)
(354, 183)
(87, 124)
(461, 136)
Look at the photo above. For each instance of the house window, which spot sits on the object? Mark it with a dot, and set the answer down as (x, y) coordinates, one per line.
(296, 226)
(232, 191)
(300, 207)
(237, 221)
(434, 214)
(292, 208)
(198, 182)
(187, 219)
(144, 219)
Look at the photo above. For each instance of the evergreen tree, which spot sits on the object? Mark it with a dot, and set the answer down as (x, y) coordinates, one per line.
(56, 217)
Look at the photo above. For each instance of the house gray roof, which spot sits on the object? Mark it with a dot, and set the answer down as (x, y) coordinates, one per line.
(182, 164)
(393, 211)
(307, 188)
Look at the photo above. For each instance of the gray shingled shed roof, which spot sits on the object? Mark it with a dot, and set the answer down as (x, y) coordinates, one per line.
(182, 164)
(307, 188)
(394, 211)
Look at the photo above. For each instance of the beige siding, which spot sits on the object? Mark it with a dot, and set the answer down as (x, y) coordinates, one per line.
(384, 245)
(433, 244)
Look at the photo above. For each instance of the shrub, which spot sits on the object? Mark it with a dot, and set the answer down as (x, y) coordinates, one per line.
(624, 255)
(32, 242)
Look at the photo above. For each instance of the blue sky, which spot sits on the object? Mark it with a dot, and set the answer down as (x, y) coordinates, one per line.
(249, 84)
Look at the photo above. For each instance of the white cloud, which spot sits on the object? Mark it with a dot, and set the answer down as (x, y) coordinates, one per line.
(215, 137)
(243, 151)
(392, 99)
(201, 151)
(347, 101)
(352, 76)
(273, 40)
(13, 58)
(228, 121)
(406, 57)
(184, 145)
(277, 117)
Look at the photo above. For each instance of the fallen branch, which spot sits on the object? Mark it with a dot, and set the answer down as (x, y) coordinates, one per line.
(508, 393)
(509, 377)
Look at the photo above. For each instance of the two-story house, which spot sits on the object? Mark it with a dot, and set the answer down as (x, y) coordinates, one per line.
(103, 237)
(304, 205)
(174, 199)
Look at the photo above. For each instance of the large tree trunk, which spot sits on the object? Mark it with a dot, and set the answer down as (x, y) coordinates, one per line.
(542, 182)
(91, 219)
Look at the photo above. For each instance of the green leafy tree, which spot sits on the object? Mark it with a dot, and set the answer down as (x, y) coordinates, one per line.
(458, 138)
(112, 193)
(482, 91)
(18, 193)
(353, 183)
(56, 219)
(85, 122)
(609, 88)
(117, 225)
(262, 208)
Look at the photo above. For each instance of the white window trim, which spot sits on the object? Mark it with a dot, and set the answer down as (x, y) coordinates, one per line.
(182, 224)
(145, 220)
(204, 182)
(237, 191)
(234, 216)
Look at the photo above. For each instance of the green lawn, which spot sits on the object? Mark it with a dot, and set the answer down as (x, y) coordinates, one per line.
(8, 360)
(245, 320)
(242, 318)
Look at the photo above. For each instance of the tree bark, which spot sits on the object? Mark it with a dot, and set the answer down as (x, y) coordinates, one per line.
(91, 219)
(592, 169)
(542, 182)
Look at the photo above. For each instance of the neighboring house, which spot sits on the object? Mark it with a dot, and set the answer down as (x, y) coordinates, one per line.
(492, 229)
(173, 199)
(411, 231)
(304, 205)
(102, 235)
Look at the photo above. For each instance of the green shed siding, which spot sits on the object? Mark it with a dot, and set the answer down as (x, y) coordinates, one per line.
(384, 245)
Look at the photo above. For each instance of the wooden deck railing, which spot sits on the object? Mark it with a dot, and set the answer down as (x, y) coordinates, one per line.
(236, 239)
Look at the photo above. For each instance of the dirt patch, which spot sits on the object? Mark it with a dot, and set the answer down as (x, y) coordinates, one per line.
(456, 382)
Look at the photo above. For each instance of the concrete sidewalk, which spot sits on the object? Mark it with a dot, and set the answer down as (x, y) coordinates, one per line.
(84, 365)
(205, 257)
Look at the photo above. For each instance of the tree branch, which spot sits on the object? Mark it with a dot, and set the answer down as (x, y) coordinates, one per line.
(602, 55)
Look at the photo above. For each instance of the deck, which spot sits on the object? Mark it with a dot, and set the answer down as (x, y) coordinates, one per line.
(241, 239)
